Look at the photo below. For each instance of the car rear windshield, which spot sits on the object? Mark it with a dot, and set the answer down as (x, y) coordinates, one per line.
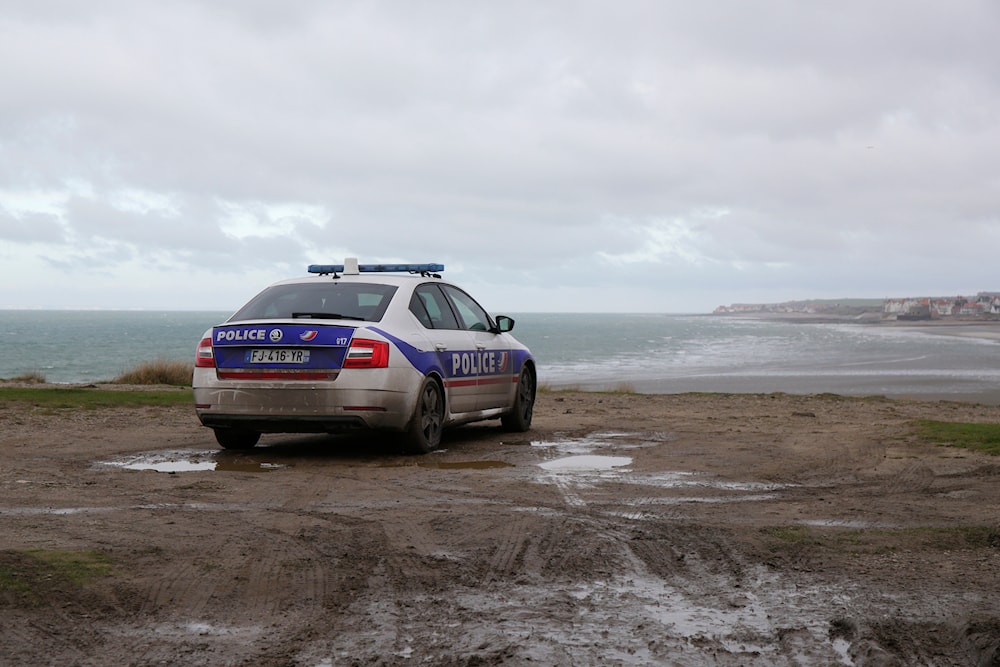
(327, 301)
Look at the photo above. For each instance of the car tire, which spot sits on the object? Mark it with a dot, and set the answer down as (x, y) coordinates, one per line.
(519, 418)
(234, 438)
(427, 423)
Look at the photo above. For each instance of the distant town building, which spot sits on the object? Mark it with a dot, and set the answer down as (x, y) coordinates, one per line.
(984, 305)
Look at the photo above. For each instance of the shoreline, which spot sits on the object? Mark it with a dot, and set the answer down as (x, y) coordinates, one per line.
(735, 387)
(983, 329)
(964, 329)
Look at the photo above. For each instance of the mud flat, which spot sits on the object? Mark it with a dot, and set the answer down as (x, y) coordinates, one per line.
(691, 529)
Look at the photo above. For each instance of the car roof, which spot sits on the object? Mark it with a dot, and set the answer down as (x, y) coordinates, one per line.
(398, 275)
(376, 278)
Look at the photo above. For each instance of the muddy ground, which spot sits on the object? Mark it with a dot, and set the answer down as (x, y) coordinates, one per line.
(623, 529)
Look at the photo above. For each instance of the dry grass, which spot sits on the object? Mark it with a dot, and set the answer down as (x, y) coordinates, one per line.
(161, 371)
(33, 377)
(621, 388)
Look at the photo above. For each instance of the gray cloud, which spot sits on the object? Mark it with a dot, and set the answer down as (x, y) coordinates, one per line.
(691, 154)
(31, 228)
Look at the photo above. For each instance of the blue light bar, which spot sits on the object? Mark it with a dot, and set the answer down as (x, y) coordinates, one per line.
(378, 268)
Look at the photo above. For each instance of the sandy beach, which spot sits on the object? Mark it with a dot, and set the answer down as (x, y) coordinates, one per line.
(986, 330)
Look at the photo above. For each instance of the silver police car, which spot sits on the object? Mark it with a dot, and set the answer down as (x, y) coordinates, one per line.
(387, 347)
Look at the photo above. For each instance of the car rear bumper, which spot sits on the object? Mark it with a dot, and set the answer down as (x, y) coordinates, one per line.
(283, 424)
(386, 402)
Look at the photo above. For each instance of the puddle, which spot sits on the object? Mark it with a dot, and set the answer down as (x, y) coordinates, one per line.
(592, 441)
(191, 461)
(69, 511)
(681, 500)
(586, 462)
(213, 460)
(246, 465)
(679, 479)
(579, 474)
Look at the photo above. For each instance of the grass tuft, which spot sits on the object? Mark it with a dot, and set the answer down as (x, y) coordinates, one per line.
(34, 377)
(80, 567)
(48, 576)
(75, 397)
(161, 371)
(977, 436)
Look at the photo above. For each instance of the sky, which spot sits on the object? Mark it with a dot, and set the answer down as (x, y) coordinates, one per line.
(556, 156)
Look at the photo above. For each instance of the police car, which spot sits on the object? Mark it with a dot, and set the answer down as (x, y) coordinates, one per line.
(388, 347)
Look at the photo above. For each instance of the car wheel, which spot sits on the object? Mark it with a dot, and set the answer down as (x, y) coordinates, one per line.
(424, 433)
(519, 418)
(234, 438)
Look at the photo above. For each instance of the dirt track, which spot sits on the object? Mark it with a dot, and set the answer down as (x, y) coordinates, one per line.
(698, 530)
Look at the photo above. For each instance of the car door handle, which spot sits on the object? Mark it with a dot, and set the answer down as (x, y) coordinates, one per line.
(440, 347)
(480, 346)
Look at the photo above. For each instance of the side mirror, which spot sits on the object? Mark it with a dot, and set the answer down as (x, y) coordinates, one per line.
(504, 323)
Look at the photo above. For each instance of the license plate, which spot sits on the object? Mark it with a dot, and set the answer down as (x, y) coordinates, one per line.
(277, 355)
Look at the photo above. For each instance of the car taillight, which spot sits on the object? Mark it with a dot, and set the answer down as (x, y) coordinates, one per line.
(365, 353)
(204, 357)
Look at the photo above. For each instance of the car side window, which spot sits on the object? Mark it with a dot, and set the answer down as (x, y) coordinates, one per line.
(471, 315)
(430, 306)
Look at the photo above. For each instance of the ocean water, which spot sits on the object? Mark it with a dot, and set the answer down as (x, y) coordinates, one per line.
(644, 352)
(74, 346)
(681, 353)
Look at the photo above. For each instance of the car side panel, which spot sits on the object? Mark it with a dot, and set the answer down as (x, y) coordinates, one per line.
(444, 345)
(495, 370)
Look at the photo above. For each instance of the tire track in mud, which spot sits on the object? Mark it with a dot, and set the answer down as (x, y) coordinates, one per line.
(648, 537)
(916, 477)
(629, 574)
(567, 491)
(182, 581)
(387, 622)
(286, 561)
(580, 552)
(533, 545)
(508, 551)
(382, 602)
(386, 569)
(41, 609)
(296, 583)
(696, 558)
(255, 566)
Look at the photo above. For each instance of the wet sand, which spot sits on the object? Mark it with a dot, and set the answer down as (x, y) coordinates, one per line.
(962, 329)
(901, 386)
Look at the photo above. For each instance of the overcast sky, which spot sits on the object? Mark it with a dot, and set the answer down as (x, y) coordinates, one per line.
(660, 156)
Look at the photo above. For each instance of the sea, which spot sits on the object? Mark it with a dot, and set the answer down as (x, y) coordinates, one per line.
(644, 353)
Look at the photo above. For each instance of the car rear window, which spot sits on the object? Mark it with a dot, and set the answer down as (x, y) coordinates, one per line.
(354, 301)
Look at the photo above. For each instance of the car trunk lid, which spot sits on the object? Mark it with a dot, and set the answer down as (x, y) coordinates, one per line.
(279, 351)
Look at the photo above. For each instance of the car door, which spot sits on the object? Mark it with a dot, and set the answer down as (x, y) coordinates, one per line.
(452, 342)
(490, 360)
